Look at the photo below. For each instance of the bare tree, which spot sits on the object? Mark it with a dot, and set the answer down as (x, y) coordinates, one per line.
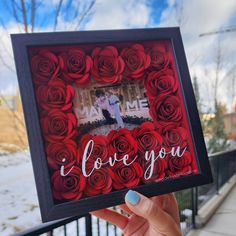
(28, 20)
(179, 13)
(58, 9)
(217, 72)
(218, 141)
(25, 12)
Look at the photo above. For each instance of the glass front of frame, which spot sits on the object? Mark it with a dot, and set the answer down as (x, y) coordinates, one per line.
(112, 116)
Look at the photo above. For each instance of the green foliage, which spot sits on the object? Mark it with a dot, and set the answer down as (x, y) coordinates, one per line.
(213, 128)
(218, 140)
(184, 201)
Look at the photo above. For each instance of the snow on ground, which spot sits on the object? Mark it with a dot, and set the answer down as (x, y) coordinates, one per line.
(19, 209)
(19, 204)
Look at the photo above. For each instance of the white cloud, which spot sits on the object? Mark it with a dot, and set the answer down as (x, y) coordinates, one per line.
(8, 77)
(9, 89)
(107, 15)
(119, 14)
(197, 16)
(8, 80)
(201, 16)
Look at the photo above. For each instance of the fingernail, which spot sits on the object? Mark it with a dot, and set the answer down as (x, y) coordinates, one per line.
(132, 197)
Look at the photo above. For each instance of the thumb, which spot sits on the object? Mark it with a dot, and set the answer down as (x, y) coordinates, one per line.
(157, 218)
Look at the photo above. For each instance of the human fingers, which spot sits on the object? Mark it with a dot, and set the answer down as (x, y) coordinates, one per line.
(172, 207)
(168, 203)
(148, 209)
(112, 217)
(137, 226)
(124, 208)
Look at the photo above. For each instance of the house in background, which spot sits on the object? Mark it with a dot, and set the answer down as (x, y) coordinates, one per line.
(13, 135)
(230, 129)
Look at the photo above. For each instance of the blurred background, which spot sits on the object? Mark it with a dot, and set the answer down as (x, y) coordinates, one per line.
(208, 29)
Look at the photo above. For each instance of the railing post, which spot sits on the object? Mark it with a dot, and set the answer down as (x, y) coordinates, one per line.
(217, 175)
(234, 158)
(98, 226)
(196, 200)
(193, 208)
(88, 222)
(50, 233)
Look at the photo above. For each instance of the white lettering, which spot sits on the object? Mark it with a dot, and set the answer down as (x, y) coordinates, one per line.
(143, 103)
(131, 105)
(149, 156)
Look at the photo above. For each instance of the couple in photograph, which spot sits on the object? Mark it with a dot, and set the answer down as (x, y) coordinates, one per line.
(110, 106)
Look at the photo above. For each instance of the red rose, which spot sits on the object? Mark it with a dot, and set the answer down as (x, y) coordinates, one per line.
(160, 57)
(122, 142)
(166, 111)
(76, 66)
(126, 176)
(57, 125)
(174, 137)
(158, 173)
(61, 154)
(107, 65)
(147, 138)
(179, 165)
(160, 82)
(69, 187)
(100, 149)
(55, 95)
(45, 66)
(136, 61)
(99, 182)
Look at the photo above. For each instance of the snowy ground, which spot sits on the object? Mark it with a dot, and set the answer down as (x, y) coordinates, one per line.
(19, 208)
(19, 204)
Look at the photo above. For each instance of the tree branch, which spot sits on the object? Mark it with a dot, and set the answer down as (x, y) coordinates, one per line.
(57, 14)
(33, 7)
(84, 14)
(15, 15)
(67, 9)
(24, 14)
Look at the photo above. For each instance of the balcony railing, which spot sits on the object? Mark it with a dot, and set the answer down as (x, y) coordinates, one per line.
(223, 166)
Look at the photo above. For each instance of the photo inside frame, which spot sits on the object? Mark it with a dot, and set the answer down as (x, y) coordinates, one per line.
(100, 109)
(112, 116)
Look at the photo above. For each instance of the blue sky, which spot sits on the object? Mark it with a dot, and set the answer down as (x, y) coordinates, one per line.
(156, 8)
(194, 17)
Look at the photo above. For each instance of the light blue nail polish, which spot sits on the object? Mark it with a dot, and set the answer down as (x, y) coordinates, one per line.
(132, 197)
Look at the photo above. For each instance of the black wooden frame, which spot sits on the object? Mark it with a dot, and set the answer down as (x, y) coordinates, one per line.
(52, 211)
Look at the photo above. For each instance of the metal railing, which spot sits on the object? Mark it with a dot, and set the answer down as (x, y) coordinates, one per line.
(223, 166)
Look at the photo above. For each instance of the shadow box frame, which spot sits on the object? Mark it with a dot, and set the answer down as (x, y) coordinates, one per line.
(50, 210)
